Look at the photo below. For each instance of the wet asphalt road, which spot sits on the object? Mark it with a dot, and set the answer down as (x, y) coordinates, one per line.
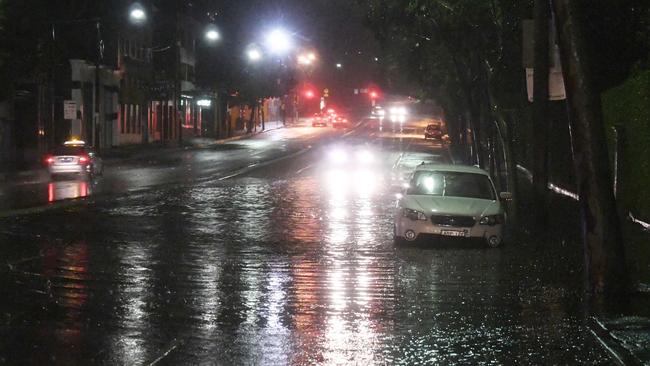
(210, 261)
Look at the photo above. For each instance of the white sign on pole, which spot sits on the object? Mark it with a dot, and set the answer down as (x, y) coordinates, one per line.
(69, 109)
(556, 89)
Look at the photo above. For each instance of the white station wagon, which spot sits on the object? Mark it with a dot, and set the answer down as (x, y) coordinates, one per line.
(450, 201)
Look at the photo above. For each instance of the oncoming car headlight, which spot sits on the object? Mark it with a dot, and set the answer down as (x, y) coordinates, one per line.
(365, 156)
(414, 215)
(491, 220)
(338, 156)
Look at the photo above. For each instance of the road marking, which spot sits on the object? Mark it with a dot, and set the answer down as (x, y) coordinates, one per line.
(254, 166)
(175, 343)
(303, 169)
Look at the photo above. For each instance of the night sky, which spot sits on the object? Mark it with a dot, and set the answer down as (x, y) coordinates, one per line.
(334, 28)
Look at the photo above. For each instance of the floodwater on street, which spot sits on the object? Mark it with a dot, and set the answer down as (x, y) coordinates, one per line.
(289, 263)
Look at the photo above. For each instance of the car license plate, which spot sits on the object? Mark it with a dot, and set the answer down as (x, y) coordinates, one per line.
(452, 233)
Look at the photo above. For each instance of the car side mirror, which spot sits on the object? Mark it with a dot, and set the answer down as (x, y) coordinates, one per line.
(506, 196)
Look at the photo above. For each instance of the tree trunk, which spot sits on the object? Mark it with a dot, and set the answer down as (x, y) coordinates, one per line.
(504, 132)
(604, 250)
(540, 114)
(263, 117)
(251, 119)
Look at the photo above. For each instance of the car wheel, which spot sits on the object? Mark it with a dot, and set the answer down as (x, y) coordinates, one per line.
(494, 243)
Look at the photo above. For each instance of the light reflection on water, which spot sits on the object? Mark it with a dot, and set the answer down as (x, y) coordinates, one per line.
(349, 336)
(130, 342)
(61, 190)
(302, 271)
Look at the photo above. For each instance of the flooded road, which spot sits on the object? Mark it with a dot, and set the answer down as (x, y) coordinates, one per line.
(290, 262)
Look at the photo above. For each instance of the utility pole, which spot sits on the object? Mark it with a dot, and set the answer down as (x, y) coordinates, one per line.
(96, 120)
(606, 270)
(540, 113)
(177, 70)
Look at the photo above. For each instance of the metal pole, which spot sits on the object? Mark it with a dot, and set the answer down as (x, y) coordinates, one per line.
(177, 70)
(96, 95)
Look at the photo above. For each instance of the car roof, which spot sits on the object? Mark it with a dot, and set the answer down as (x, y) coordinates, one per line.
(451, 168)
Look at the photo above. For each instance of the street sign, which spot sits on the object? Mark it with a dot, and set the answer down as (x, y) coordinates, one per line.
(69, 109)
(556, 89)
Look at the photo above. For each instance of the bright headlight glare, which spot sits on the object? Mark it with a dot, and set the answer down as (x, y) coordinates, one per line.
(338, 156)
(365, 156)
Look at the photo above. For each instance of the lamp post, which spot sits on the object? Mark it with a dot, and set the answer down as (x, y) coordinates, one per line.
(211, 35)
(306, 61)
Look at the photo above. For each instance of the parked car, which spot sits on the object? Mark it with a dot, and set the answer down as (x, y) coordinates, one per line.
(433, 132)
(450, 201)
(74, 157)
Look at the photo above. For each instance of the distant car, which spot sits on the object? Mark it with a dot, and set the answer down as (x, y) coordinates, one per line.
(340, 122)
(74, 157)
(450, 201)
(433, 132)
(330, 114)
(378, 112)
(318, 120)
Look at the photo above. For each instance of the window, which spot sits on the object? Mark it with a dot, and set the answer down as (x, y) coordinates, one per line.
(452, 184)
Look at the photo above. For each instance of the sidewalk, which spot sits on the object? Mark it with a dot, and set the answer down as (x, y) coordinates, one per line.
(621, 326)
(143, 151)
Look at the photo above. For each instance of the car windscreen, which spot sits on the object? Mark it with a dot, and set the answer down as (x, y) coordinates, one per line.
(69, 150)
(451, 184)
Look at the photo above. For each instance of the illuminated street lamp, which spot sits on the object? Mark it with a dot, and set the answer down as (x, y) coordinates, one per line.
(278, 41)
(137, 13)
(212, 34)
(254, 54)
(307, 58)
(339, 65)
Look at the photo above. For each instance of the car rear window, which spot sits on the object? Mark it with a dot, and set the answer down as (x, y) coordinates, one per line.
(69, 150)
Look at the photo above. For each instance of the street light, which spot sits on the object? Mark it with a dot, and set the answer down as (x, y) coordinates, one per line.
(254, 54)
(304, 60)
(278, 41)
(212, 34)
(137, 13)
(339, 65)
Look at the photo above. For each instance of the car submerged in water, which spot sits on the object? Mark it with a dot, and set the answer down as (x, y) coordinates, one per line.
(450, 201)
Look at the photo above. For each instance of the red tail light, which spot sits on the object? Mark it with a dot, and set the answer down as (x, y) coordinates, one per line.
(49, 159)
(83, 159)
